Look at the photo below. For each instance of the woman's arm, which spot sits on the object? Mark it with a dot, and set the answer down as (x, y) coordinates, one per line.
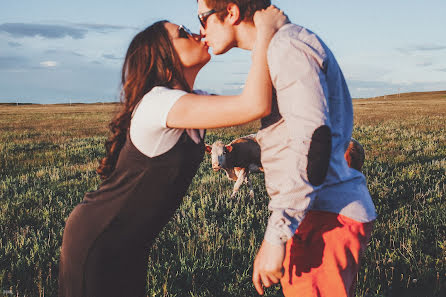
(201, 111)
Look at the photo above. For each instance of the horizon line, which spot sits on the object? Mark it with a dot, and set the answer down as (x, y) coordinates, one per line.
(16, 102)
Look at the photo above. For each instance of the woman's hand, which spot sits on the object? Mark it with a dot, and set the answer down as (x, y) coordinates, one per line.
(268, 21)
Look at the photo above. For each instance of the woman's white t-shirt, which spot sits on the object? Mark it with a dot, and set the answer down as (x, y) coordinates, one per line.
(148, 128)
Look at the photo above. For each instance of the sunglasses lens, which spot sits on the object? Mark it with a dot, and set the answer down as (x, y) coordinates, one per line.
(202, 23)
(183, 32)
(204, 16)
(189, 32)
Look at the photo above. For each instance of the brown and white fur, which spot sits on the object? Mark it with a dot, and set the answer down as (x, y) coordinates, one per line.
(238, 159)
(242, 157)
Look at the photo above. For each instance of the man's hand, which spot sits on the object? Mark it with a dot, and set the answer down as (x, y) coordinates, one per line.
(268, 268)
(270, 19)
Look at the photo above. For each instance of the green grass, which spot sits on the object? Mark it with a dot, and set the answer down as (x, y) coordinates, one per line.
(48, 157)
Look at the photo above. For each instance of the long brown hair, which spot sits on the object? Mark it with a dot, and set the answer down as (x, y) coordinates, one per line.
(151, 60)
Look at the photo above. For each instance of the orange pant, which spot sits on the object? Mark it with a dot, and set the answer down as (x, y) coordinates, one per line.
(322, 258)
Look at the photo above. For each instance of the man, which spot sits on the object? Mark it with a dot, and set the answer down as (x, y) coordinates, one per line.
(322, 212)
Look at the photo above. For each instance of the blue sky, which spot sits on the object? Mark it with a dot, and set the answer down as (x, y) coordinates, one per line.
(54, 51)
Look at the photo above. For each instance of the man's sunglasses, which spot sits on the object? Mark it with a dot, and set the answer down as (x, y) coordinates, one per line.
(184, 32)
(203, 17)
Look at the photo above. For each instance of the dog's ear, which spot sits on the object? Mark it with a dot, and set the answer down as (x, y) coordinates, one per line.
(228, 148)
(208, 149)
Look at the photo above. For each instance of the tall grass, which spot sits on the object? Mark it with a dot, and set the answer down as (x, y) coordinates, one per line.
(48, 157)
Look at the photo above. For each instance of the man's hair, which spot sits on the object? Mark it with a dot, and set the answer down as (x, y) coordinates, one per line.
(247, 7)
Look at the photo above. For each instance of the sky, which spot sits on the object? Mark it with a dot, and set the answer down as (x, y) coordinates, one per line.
(54, 51)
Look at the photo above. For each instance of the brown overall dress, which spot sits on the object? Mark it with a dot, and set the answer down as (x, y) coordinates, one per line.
(108, 235)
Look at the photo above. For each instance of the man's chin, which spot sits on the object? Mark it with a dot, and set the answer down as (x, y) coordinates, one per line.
(220, 51)
(217, 51)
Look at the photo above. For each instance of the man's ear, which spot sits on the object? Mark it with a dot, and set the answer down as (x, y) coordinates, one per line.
(208, 149)
(233, 16)
(228, 148)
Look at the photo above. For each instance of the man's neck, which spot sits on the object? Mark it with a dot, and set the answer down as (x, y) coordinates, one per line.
(246, 35)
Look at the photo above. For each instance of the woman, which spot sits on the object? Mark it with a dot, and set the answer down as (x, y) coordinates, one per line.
(152, 155)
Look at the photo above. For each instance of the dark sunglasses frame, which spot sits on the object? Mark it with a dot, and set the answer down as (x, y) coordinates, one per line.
(203, 17)
(184, 32)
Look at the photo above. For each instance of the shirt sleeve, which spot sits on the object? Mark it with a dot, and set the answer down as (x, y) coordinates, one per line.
(148, 129)
(301, 160)
(165, 105)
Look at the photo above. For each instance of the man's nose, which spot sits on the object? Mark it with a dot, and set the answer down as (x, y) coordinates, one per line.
(202, 31)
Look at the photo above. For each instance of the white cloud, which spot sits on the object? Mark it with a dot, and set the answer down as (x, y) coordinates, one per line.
(425, 63)
(19, 30)
(48, 64)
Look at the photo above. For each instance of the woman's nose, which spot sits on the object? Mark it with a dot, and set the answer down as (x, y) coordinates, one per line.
(197, 36)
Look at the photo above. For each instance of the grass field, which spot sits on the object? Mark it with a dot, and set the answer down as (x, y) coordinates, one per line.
(48, 157)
